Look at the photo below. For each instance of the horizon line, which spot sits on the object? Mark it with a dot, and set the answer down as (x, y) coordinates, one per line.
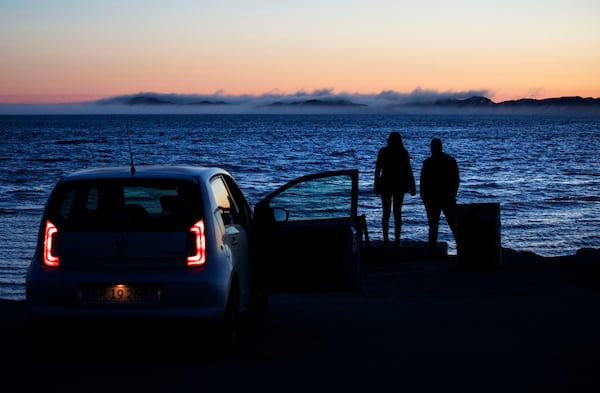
(318, 101)
(418, 93)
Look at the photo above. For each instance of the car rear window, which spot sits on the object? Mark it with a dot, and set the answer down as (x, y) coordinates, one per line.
(125, 204)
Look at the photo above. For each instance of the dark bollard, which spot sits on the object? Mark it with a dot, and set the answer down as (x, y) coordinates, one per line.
(478, 242)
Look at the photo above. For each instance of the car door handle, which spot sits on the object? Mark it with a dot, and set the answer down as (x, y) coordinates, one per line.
(234, 241)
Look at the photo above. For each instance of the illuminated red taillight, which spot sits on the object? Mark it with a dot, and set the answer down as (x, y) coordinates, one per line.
(196, 255)
(51, 245)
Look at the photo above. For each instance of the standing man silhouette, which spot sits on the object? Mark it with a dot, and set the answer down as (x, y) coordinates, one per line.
(393, 178)
(438, 188)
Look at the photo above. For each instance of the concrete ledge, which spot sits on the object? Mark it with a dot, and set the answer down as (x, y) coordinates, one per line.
(375, 252)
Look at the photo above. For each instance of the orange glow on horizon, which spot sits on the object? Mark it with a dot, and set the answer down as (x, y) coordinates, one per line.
(72, 52)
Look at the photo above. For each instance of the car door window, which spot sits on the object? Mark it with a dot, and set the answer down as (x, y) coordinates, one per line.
(244, 212)
(317, 199)
(228, 209)
(309, 233)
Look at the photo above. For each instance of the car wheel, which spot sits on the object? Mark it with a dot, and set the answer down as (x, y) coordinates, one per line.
(230, 325)
(262, 304)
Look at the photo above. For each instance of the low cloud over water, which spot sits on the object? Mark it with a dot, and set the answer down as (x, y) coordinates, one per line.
(324, 100)
(318, 101)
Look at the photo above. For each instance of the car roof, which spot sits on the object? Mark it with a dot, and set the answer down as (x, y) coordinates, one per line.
(181, 172)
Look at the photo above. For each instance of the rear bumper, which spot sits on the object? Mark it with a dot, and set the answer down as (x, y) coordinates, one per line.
(193, 294)
(124, 313)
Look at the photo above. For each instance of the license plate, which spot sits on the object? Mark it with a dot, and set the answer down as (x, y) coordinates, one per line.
(121, 294)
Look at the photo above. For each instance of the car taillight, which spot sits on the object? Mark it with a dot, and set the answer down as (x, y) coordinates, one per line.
(51, 245)
(196, 255)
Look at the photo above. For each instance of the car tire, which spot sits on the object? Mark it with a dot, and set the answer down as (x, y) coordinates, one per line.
(228, 333)
(261, 308)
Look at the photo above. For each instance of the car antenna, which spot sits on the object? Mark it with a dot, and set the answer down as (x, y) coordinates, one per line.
(130, 151)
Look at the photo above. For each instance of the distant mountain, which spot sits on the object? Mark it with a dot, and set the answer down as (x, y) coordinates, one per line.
(318, 103)
(143, 100)
(578, 102)
(331, 101)
(207, 102)
(471, 101)
(525, 103)
(153, 99)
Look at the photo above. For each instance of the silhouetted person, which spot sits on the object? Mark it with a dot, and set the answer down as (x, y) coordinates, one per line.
(393, 178)
(438, 188)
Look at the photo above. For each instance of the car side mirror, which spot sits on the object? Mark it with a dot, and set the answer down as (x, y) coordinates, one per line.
(280, 215)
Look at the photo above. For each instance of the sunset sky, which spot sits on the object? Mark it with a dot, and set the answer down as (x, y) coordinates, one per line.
(54, 51)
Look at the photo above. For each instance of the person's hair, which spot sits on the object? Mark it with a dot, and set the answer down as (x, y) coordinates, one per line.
(436, 146)
(394, 141)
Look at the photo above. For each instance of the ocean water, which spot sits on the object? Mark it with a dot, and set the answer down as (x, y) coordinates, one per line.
(543, 170)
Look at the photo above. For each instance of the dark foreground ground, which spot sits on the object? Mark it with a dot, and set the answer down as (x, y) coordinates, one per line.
(419, 324)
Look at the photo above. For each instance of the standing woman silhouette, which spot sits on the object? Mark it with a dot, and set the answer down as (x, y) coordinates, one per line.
(393, 178)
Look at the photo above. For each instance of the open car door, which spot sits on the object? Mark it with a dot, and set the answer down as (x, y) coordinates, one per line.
(309, 234)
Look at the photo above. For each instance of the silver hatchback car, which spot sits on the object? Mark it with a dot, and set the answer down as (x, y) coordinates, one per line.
(180, 243)
(154, 243)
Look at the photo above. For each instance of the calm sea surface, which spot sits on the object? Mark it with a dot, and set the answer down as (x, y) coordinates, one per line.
(543, 170)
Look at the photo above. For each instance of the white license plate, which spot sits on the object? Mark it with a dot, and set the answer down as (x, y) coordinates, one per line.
(120, 294)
